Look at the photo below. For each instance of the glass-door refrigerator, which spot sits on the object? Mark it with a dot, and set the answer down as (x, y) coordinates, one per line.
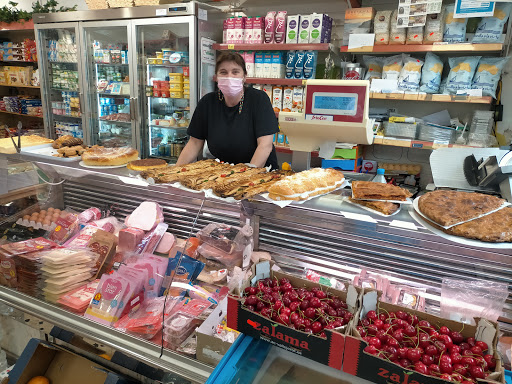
(60, 67)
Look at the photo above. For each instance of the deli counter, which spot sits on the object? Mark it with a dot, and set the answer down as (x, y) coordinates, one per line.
(325, 234)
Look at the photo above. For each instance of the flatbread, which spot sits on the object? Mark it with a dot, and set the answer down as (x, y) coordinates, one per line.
(451, 207)
(384, 207)
(378, 191)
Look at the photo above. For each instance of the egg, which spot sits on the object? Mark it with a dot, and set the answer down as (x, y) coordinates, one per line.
(51, 209)
(43, 212)
(57, 210)
(47, 222)
(38, 221)
(26, 217)
(55, 215)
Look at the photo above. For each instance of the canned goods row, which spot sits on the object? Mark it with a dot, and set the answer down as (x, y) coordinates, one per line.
(106, 110)
(171, 149)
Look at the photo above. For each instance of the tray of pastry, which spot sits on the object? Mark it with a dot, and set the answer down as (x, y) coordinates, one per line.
(46, 150)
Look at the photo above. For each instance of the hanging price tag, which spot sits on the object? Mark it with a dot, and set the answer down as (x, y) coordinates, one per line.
(231, 46)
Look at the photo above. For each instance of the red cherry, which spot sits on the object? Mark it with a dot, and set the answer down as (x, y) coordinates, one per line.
(365, 322)
(471, 341)
(294, 305)
(265, 312)
(491, 362)
(414, 354)
(382, 336)
(445, 359)
(440, 346)
(251, 308)
(398, 335)
(424, 340)
(421, 368)
(251, 300)
(284, 319)
(375, 342)
(304, 305)
(445, 368)
(392, 352)
(371, 315)
(331, 312)
(446, 377)
(320, 294)
(425, 325)
(286, 301)
(393, 343)
(402, 353)
(454, 349)
(459, 368)
(468, 361)
(444, 330)
(464, 346)
(457, 338)
(476, 372)
(278, 305)
(372, 330)
(315, 302)
(383, 317)
(338, 323)
(456, 357)
(293, 296)
(404, 363)
(286, 311)
(323, 335)
(307, 323)
(457, 377)
(434, 335)
(287, 287)
(431, 350)
(310, 312)
(284, 281)
(482, 344)
(308, 330)
(378, 323)
(434, 368)
(361, 330)
(413, 320)
(467, 352)
(316, 327)
(447, 340)
(476, 350)
(401, 315)
(427, 360)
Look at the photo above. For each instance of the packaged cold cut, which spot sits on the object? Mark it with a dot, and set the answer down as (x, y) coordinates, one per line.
(166, 243)
(146, 216)
(129, 239)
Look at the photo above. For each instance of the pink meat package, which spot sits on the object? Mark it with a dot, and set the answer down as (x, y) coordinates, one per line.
(78, 300)
(146, 216)
(151, 239)
(27, 246)
(66, 228)
(155, 267)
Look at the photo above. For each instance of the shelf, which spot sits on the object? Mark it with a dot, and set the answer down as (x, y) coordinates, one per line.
(426, 48)
(271, 47)
(169, 65)
(261, 80)
(160, 126)
(21, 114)
(115, 122)
(16, 194)
(434, 98)
(18, 62)
(68, 117)
(112, 94)
(406, 143)
(110, 64)
(19, 86)
(65, 90)
(17, 26)
(63, 62)
(289, 151)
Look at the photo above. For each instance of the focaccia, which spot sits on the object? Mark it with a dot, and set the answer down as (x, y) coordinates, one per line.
(363, 190)
(306, 184)
(231, 187)
(450, 207)
(384, 207)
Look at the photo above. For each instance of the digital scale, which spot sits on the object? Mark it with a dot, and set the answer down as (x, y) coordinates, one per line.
(334, 110)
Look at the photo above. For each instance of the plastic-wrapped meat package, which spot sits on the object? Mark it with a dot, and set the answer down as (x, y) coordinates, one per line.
(83, 237)
(181, 324)
(27, 271)
(78, 300)
(88, 215)
(32, 245)
(66, 227)
(8, 275)
(136, 276)
(166, 243)
(108, 224)
(151, 240)
(129, 239)
(155, 267)
(146, 216)
(103, 244)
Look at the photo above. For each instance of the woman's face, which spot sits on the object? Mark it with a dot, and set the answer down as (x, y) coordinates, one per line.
(230, 69)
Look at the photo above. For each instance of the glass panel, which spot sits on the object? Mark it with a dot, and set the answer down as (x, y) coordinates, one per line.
(62, 83)
(163, 57)
(108, 77)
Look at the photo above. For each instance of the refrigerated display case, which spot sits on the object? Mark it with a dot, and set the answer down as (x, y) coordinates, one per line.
(141, 73)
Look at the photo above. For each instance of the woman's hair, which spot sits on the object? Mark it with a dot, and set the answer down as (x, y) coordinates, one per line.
(230, 56)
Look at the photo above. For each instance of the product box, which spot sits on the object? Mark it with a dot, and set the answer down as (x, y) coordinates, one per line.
(270, 27)
(230, 30)
(304, 29)
(327, 351)
(249, 26)
(361, 364)
(239, 30)
(287, 99)
(291, 57)
(292, 29)
(258, 30)
(349, 154)
(298, 99)
(357, 20)
(319, 25)
(298, 72)
(310, 61)
(280, 30)
(343, 164)
(267, 64)
(258, 64)
(278, 66)
(60, 366)
(369, 166)
(249, 63)
(225, 31)
(267, 88)
(277, 98)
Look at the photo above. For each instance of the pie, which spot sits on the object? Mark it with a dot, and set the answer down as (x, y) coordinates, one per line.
(364, 190)
(451, 207)
(142, 165)
(101, 156)
(384, 207)
(6, 145)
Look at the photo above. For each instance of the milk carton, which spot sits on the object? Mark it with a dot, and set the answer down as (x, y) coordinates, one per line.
(287, 99)
(277, 98)
(278, 67)
(270, 27)
(267, 64)
(258, 25)
(268, 90)
(310, 60)
(249, 63)
(319, 26)
(257, 86)
(298, 97)
(280, 30)
(231, 30)
(249, 25)
(305, 25)
(258, 64)
(298, 72)
(239, 30)
(225, 31)
(291, 57)
(292, 29)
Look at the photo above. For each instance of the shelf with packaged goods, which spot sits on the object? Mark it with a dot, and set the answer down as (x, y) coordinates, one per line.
(449, 48)
(168, 65)
(111, 64)
(14, 62)
(265, 80)
(115, 122)
(19, 86)
(63, 62)
(418, 144)
(170, 127)
(21, 114)
(271, 47)
(112, 94)
(434, 98)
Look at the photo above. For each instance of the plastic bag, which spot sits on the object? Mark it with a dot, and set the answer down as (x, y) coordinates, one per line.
(488, 74)
(461, 73)
(410, 75)
(490, 28)
(462, 300)
(396, 35)
(434, 28)
(455, 29)
(392, 67)
(374, 67)
(431, 73)
(414, 35)
(381, 27)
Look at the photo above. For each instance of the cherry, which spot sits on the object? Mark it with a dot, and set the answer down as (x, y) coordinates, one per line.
(265, 312)
(414, 354)
(445, 359)
(456, 357)
(409, 330)
(382, 336)
(293, 296)
(491, 362)
(251, 308)
(383, 316)
(457, 377)
(378, 323)
(284, 281)
(365, 322)
(440, 346)
(370, 349)
(459, 368)
(454, 349)
(444, 330)
(304, 305)
(434, 368)
(424, 325)
(476, 350)
(284, 318)
(427, 360)
(431, 350)
(398, 335)
(260, 305)
(464, 346)
(467, 352)
(402, 352)
(413, 320)
(308, 330)
(372, 330)
(471, 341)
(424, 340)
(434, 335)
(401, 315)
(404, 363)
(294, 305)
(421, 368)
(323, 335)
(251, 300)
(375, 342)
(468, 361)
(307, 322)
(477, 372)
(287, 287)
(371, 315)
(317, 327)
(286, 311)
(320, 295)
(446, 377)
(456, 337)
(361, 330)
(310, 312)
(277, 305)
(331, 312)
(276, 288)
(447, 340)
(315, 302)
(445, 367)
(338, 323)
(393, 343)
(286, 301)
(483, 345)
(347, 317)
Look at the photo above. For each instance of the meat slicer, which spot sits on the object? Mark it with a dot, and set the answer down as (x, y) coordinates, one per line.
(478, 169)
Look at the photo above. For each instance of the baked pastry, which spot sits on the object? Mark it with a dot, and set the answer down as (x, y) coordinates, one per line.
(6, 145)
(306, 184)
(364, 190)
(384, 207)
(142, 165)
(67, 141)
(450, 207)
(235, 175)
(101, 156)
(70, 151)
(232, 186)
(156, 174)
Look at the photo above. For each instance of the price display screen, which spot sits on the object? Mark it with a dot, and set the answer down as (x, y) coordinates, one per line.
(327, 103)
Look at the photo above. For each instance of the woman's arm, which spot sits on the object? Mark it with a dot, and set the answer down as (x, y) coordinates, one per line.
(263, 150)
(191, 151)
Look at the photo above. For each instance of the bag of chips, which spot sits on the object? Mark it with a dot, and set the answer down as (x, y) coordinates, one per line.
(392, 67)
(431, 73)
(490, 28)
(373, 66)
(455, 29)
(488, 74)
(462, 70)
(410, 74)
(381, 26)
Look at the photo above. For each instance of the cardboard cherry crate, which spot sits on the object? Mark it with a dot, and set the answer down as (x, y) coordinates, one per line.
(381, 371)
(327, 351)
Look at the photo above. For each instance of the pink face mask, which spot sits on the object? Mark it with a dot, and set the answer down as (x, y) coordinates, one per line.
(230, 86)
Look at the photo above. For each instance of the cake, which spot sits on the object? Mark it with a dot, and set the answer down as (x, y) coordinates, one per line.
(101, 156)
(142, 165)
(384, 207)
(369, 190)
(451, 207)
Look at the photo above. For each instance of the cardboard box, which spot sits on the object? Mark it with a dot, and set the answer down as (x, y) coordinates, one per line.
(210, 349)
(343, 164)
(59, 366)
(361, 364)
(325, 351)
(349, 154)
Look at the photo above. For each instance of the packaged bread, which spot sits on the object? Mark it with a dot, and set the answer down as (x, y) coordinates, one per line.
(434, 28)
(381, 26)
(414, 35)
(392, 67)
(410, 75)
(396, 35)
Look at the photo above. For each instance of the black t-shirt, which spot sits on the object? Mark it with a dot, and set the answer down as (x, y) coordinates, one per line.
(232, 136)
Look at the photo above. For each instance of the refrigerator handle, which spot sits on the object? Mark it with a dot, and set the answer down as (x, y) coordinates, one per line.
(133, 108)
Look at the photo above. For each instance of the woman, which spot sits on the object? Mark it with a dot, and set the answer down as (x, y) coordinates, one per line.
(238, 122)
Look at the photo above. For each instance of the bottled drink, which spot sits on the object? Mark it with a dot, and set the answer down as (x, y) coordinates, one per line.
(379, 178)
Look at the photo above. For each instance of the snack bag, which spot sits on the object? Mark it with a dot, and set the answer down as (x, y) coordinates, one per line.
(434, 28)
(462, 70)
(381, 26)
(187, 271)
(455, 29)
(489, 29)
(392, 67)
(431, 73)
(414, 35)
(374, 66)
(410, 75)
(396, 35)
(488, 74)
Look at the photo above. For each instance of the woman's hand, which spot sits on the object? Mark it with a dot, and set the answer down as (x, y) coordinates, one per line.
(191, 151)
(265, 145)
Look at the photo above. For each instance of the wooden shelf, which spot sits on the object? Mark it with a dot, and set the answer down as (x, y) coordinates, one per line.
(17, 26)
(19, 86)
(426, 48)
(289, 151)
(434, 98)
(405, 143)
(266, 80)
(271, 47)
(21, 114)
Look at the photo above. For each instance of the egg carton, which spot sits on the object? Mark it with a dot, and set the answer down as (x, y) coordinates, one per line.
(410, 169)
(34, 224)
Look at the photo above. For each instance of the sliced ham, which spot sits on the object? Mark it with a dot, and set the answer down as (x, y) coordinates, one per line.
(146, 216)
(129, 239)
(165, 244)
